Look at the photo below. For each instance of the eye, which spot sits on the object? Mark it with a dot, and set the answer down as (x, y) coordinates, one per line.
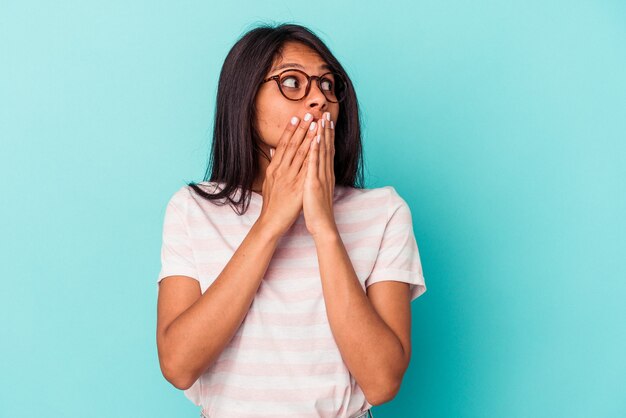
(291, 82)
(327, 84)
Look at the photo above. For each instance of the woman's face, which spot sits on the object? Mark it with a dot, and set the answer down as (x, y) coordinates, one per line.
(274, 110)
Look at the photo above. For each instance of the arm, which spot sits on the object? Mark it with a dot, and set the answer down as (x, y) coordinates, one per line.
(375, 346)
(194, 328)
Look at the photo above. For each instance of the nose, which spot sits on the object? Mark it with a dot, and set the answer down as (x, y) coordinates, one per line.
(316, 98)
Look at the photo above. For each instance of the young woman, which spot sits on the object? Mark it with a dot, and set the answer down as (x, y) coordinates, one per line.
(292, 300)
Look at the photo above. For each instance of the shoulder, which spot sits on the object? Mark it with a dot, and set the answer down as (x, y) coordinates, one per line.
(395, 201)
(180, 198)
(386, 197)
(352, 194)
(186, 199)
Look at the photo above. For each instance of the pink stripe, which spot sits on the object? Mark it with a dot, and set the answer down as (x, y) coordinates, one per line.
(270, 343)
(175, 228)
(261, 394)
(298, 229)
(340, 205)
(224, 229)
(361, 205)
(394, 242)
(304, 253)
(276, 369)
(317, 414)
(285, 273)
(304, 295)
(401, 218)
(353, 243)
(353, 206)
(255, 316)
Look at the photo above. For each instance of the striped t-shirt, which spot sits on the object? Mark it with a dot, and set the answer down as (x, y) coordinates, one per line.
(283, 360)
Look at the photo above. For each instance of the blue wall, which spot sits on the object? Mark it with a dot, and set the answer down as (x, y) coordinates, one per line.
(502, 124)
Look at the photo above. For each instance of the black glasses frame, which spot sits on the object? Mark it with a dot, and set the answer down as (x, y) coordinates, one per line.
(308, 83)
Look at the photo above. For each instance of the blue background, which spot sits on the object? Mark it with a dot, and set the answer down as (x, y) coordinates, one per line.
(501, 123)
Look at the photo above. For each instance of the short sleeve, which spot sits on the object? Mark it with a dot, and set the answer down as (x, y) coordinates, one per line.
(398, 256)
(177, 257)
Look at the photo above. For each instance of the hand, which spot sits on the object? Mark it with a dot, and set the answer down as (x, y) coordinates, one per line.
(319, 183)
(284, 177)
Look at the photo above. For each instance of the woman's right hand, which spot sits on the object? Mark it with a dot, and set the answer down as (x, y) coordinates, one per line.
(284, 177)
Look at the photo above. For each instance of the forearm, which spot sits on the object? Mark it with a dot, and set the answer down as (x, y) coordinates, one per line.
(196, 338)
(371, 350)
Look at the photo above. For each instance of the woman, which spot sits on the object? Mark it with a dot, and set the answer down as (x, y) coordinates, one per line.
(294, 299)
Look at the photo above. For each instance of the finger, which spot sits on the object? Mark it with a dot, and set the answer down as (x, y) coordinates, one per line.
(304, 169)
(303, 149)
(292, 145)
(313, 159)
(332, 147)
(329, 146)
(330, 136)
(284, 139)
(321, 165)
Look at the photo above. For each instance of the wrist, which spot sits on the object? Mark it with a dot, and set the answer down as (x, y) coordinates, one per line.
(267, 230)
(326, 236)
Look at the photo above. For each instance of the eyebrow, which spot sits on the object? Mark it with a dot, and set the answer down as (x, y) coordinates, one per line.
(293, 64)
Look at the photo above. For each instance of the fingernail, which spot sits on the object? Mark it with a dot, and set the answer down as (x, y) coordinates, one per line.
(332, 125)
(323, 123)
(327, 115)
(313, 125)
(294, 120)
(318, 138)
(308, 117)
(272, 152)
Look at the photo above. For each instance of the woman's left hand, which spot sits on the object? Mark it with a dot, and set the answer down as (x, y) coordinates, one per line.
(319, 183)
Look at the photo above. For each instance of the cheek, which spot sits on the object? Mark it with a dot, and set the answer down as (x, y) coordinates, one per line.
(277, 122)
(271, 126)
(334, 114)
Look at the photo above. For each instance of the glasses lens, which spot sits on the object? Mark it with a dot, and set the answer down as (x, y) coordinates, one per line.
(333, 87)
(293, 85)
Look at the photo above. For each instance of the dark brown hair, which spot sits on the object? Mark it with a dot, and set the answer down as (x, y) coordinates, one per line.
(235, 150)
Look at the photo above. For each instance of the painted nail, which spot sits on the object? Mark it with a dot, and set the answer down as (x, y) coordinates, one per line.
(323, 125)
(312, 126)
(332, 125)
(327, 115)
(294, 120)
(318, 138)
(308, 117)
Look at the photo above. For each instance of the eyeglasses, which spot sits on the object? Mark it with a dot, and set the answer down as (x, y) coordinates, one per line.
(295, 85)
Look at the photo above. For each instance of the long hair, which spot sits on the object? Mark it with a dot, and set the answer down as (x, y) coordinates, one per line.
(235, 150)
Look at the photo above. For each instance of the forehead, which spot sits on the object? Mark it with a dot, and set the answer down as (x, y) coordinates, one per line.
(296, 55)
